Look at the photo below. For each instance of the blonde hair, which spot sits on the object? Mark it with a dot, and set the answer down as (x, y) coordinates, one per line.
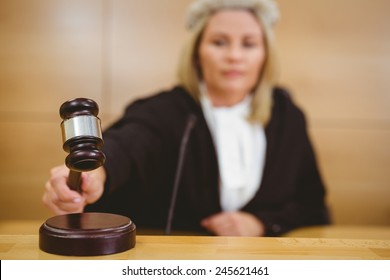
(199, 12)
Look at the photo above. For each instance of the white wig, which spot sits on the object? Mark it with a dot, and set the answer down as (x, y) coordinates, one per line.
(265, 10)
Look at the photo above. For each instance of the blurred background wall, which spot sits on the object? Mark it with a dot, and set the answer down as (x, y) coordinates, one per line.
(335, 57)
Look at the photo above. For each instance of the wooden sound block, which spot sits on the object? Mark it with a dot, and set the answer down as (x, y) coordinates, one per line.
(87, 234)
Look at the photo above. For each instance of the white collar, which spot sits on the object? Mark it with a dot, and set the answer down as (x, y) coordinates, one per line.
(240, 110)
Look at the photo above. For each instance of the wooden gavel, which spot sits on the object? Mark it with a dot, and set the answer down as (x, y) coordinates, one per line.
(84, 234)
(82, 138)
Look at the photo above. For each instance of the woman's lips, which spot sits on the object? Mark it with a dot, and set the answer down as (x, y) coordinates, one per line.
(233, 73)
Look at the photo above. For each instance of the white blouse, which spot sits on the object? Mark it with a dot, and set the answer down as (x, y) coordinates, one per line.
(241, 147)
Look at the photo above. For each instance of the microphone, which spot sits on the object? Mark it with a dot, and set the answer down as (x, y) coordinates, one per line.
(183, 146)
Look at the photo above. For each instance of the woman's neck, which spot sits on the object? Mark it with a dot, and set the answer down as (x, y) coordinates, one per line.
(226, 100)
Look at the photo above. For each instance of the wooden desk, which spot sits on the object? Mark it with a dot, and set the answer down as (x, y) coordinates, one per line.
(19, 240)
(16, 247)
(16, 227)
(342, 232)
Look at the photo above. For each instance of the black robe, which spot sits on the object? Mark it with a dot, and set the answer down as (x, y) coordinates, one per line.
(143, 147)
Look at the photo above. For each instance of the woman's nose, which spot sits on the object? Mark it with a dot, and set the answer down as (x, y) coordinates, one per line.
(235, 52)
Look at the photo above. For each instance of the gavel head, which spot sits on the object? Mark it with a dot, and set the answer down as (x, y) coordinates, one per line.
(81, 134)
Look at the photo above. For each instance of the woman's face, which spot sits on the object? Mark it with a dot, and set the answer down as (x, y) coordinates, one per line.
(231, 55)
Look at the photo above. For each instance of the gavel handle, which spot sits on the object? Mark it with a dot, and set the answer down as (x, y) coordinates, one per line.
(74, 180)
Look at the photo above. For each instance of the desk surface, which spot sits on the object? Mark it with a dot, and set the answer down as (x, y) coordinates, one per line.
(19, 240)
(342, 232)
(206, 247)
(16, 227)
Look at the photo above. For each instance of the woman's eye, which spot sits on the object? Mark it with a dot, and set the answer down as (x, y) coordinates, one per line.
(219, 43)
(249, 44)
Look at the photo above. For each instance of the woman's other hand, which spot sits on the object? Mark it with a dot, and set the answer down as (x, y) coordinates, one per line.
(234, 224)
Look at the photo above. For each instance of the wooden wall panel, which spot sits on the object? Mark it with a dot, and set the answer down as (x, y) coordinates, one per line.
(355, 165)
(50, 51)
(335, 58)
(147, 37)
(335, 55)
(28, 151)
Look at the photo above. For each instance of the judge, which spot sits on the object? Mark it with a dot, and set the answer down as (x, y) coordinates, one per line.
(226, 151)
